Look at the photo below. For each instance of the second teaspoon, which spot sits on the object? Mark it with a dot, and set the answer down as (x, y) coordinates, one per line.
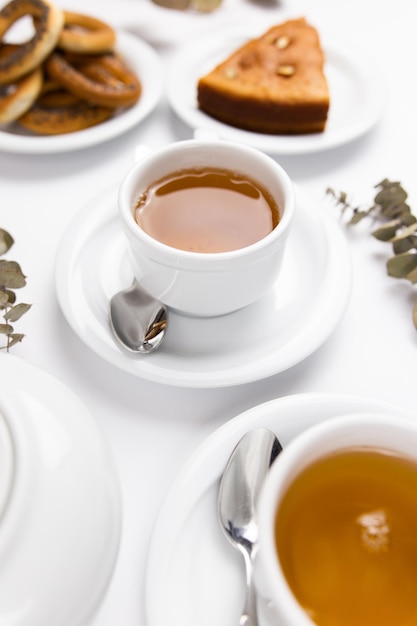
(239, 490)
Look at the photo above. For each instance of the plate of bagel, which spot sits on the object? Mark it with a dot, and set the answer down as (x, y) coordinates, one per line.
(70, 80)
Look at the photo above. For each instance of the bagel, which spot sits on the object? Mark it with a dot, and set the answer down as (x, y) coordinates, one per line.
(85, 34)
(19, 97)
(58, 112)
(104, 80)
(48, 21)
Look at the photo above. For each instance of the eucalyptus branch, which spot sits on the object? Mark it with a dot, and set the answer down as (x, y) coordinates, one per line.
(398, 227)
(11, 278)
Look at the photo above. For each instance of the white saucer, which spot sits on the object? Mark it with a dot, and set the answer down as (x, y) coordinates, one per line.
(194, 576)
(356, 89)
(146, 63)
(60, 502)
(291, 321)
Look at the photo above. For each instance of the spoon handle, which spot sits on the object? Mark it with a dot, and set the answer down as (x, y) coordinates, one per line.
(249, 615)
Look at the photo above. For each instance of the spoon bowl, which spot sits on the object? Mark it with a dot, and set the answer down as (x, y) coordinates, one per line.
(138, 320)
(239, 490)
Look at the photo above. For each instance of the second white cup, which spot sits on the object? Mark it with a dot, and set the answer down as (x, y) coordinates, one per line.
(338, 526)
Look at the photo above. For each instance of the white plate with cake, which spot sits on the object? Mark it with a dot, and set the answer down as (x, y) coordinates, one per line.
(144, 61)
(355, 89)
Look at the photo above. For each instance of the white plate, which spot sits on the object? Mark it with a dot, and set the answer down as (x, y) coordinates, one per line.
(291, 321)
(194, 576)
(145, 62)
(356, 90)
(60, 521)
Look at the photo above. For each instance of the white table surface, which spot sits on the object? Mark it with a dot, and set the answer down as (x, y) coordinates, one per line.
(151, 428)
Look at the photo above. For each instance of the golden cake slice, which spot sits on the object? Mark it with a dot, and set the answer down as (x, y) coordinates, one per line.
(273, 84)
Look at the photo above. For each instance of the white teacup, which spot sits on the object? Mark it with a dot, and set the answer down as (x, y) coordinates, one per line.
(376, 531)
(199, 283)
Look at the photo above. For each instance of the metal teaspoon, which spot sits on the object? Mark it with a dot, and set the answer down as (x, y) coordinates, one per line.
(138, 320)
(237, 499)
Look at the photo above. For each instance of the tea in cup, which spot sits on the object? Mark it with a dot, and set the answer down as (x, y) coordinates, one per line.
(206, 221)
(338, 526)
(206, 210)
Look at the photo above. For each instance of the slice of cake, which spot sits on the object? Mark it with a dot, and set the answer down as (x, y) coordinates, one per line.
(273, 84)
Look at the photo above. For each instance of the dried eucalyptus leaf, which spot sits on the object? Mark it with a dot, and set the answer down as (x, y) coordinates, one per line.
(14, 338)
(386, 232)
(11, 295)
(404, 245)
(11, 276)
(394, 210)
(403, 210)
(393, 193)
(4, 299)
(415, 315)
(409, 219)
(342, 199)
(412, 276)
(6, 329)
(387, 183)
(357, 217)
(16, 312)
(402, 265)
(6, 241)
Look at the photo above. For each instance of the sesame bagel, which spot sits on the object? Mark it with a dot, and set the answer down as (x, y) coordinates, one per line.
(48, 21)
(85, 34)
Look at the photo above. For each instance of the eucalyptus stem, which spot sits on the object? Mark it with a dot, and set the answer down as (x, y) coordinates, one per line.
(11, 278)
(398, 227)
